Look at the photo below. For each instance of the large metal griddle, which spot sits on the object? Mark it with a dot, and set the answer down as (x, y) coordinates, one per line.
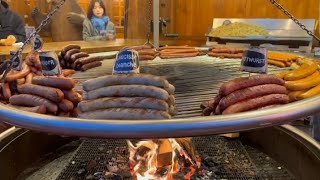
(196, 80)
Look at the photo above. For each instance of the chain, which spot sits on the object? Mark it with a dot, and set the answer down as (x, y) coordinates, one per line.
(149, 22)
(287, 13)
(28, 40)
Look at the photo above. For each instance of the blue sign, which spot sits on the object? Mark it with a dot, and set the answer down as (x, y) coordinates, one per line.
(127, 62)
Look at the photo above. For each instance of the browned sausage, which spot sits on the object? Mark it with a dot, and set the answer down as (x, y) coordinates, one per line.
(249, 93)
(146, 57)
(178, 51)
(176, 47)
(64, 114)
(122, 114)
(87, 60)
(66, 105)
(91, 65)
(69, 47)
(73, 96)
(172, 56)
(29, 78)
(53, 94)
(151, 52)
(255, 103)
(67, 56)
(241, 83)
(78, 55)
(75, 112)
(56, 82)
(37, 109)
(18, 74)
(68, 72)
(225, 55)
(32, 100)
(228, 50)
(6, 91)
(21, 81)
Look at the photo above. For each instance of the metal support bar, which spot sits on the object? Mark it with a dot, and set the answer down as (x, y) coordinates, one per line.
(156, 19)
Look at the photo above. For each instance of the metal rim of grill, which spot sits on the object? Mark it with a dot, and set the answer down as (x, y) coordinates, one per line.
(196, 79)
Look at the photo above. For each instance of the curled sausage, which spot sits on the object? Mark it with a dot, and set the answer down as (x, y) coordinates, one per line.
(6, 91)
(18, 74)
(67, 56)
(90, 65)
(56, 82)
(78, 55)
(69, 47)
(32, 100)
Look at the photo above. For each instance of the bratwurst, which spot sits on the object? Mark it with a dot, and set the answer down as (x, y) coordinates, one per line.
(129, 91)
(123, 102)
(32, 100)
(255, 103)
(123, 79)
(249, 93)
(56, 82)
(241, 83)
(125, 114)
(53, 94)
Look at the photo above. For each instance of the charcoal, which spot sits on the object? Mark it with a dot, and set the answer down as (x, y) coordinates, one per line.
(162, 172)
(92, 164)
(90, 177)
(178, 176)
(81, 171)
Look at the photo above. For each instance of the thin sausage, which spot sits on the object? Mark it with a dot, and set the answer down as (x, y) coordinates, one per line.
(172, 56)
(18, 74)
(73, 96)
(56, 82)
(91, 65)
(69, 47)
(123, 102)
(32, 100)
(251, 92)
(66, 105)
(129, 91)
(241, 83)
(6, 91)
(256, 103)
(53, 94)
(78, 55)
(125, 114)
(146, 57)
(68, 72)
(21, 81)
(29, 78)
(125, 79)
(225, 55)
(69, 53)
(37, 109)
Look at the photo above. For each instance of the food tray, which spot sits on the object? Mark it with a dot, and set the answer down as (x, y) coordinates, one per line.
(196, 79)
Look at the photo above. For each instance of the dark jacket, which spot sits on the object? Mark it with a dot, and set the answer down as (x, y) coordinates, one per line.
(11, 24)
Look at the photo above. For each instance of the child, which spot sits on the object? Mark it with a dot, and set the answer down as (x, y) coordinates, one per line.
(98, 25)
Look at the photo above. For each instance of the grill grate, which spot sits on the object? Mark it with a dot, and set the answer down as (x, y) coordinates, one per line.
(235, 160)
(196, 80)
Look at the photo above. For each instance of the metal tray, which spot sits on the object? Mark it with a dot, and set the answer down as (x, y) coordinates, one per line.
(196, 80)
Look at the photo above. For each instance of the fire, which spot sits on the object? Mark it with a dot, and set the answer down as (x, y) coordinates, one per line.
(158, 159)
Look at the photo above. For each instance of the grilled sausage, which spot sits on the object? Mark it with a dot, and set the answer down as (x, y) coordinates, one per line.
(150, 52)
(227, 50)
(129, 91)
(53, 94)
(78, 55)
(123, 102)
(171, 89)
(75, 112)
(68, 72)
(225, 55)
(73, 96)
(32, 100)
(69, 53)
(146, 57)
(18, 74)
(6, 91)
(29, 78)
(56, 82)
(37, 109)
(21, 81)
(91, 65)
(66, 105)
(182, 55)
(240, 83)
(256, 103)
(125, 79)
(178, 51)
(125, 114)
(69, 47)
(175, 47)
(251, 92)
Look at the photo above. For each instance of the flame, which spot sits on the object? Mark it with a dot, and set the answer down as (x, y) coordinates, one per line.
(145, 165)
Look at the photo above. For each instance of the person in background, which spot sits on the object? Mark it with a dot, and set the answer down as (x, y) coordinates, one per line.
(98, 25)
(11, 23)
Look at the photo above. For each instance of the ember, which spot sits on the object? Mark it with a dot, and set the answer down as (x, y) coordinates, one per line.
(166, 159)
